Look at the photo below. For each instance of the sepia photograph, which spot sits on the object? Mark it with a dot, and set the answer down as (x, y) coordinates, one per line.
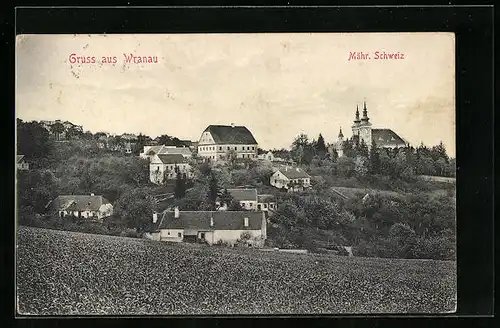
(235, 174)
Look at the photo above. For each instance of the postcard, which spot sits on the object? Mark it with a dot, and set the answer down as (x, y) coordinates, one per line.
(235, 174)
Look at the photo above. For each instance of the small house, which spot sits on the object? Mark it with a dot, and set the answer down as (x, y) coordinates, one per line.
(21, 164)
(266, 203)
(291, 178)
(81, 206)
(211, 227)
(246, 197)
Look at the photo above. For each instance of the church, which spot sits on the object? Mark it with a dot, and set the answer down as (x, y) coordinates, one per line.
(362, 129)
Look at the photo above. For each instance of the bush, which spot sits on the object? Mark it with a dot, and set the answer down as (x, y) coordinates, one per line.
(132, 233)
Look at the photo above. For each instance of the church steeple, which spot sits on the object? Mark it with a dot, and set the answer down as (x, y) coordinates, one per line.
(365, 114)
(341, 135)
(357, 115)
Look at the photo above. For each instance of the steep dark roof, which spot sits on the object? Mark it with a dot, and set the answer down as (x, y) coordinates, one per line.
(226, 134)
(171, 158)
(243, 194)
(78, 203)
(294, 173)
(387, 137)
(200, 220)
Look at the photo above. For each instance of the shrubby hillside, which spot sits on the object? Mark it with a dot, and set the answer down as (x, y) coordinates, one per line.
(402, 216)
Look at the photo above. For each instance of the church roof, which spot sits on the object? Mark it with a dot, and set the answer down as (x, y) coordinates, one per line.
(226, 134)
(386, 138)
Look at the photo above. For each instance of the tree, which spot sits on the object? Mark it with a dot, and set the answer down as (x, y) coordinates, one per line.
(225, 198)
(321, 147)
(57, 129)
(136, 207)
(360, 165)
(374, 158)
(362, 149)
(180, 186)
(33, 141)
(213, 191)
(345, 166)
(234, 205)
(73, 133)
(232, 157)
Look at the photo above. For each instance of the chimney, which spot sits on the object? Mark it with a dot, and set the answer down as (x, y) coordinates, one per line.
(155, 217)
(176, 212)
(245, 220)
(211, 221)
(232, 125)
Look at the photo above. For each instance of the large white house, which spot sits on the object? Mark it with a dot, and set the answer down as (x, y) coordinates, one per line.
(291, 178)
(165, 167)
(218, 142)
(83, 206)
(210, 227)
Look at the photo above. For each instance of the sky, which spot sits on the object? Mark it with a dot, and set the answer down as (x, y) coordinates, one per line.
(277, 85)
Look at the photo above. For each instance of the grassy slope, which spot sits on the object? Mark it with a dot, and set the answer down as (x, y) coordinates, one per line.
(72, 273)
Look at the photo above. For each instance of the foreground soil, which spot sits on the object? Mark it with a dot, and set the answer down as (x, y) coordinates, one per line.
(68, 273)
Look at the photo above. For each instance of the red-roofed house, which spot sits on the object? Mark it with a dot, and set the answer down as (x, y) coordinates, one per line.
(210, 227)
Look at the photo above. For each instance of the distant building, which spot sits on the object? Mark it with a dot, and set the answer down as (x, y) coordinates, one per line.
(210, 227)
(150, 151)
(21, 164)
(291, 178)
(82, 206)
(128, 136)
(164, 167)
(247, 198)
(269, 156)
(266, 203)
(218, 142)
(362, 130)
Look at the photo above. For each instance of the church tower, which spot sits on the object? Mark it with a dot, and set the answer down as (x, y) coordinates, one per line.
(357, 122)
(365, 128)
(340, 144)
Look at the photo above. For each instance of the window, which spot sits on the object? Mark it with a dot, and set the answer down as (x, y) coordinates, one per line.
(202, 235)
(227, 147)
(235, 148)
(220, 148)
(168, 233)
(253, 148)
(248, 148)
(179, 235)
